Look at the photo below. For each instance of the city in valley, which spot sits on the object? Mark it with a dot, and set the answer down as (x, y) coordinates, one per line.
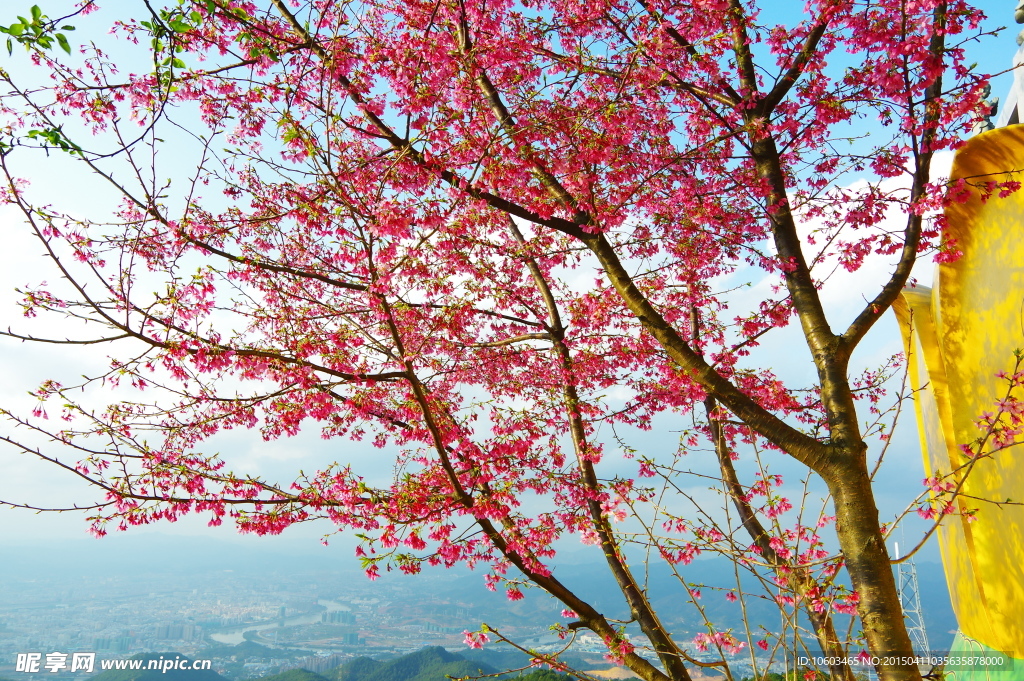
(287, 606)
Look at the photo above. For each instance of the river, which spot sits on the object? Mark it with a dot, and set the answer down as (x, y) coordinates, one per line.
(235, 635)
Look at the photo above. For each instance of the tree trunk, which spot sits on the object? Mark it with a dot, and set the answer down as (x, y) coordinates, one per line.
(867, 562)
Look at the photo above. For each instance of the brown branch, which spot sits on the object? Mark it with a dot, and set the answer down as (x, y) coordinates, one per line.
(640, 607)
(800, 446)
(923, 155)
(403, 146)
(510, 341)
(768, 103)
(66, 341)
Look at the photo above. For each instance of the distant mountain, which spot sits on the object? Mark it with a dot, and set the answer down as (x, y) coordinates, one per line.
(295, 675)
(497, 656)
(144, 674)
(356, 670)
(246, 649)
(429, 664)
(506, 657)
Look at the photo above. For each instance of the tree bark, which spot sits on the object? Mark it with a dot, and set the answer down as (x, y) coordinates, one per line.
(871, 575)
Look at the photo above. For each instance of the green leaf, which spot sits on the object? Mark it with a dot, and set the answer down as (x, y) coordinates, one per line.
(63, 42)
(54, 137)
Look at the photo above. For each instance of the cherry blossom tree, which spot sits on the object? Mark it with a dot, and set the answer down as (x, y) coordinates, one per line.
(500, 240)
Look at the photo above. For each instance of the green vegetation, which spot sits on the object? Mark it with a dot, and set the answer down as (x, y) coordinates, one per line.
(545, 675)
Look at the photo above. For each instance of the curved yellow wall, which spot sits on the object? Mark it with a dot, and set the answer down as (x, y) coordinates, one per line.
(958, 336)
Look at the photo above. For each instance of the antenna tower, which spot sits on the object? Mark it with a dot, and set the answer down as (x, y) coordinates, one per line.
(910, 599)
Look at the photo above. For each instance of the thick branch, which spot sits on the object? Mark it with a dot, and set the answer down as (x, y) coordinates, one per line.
(768, 103)
(800, 446)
